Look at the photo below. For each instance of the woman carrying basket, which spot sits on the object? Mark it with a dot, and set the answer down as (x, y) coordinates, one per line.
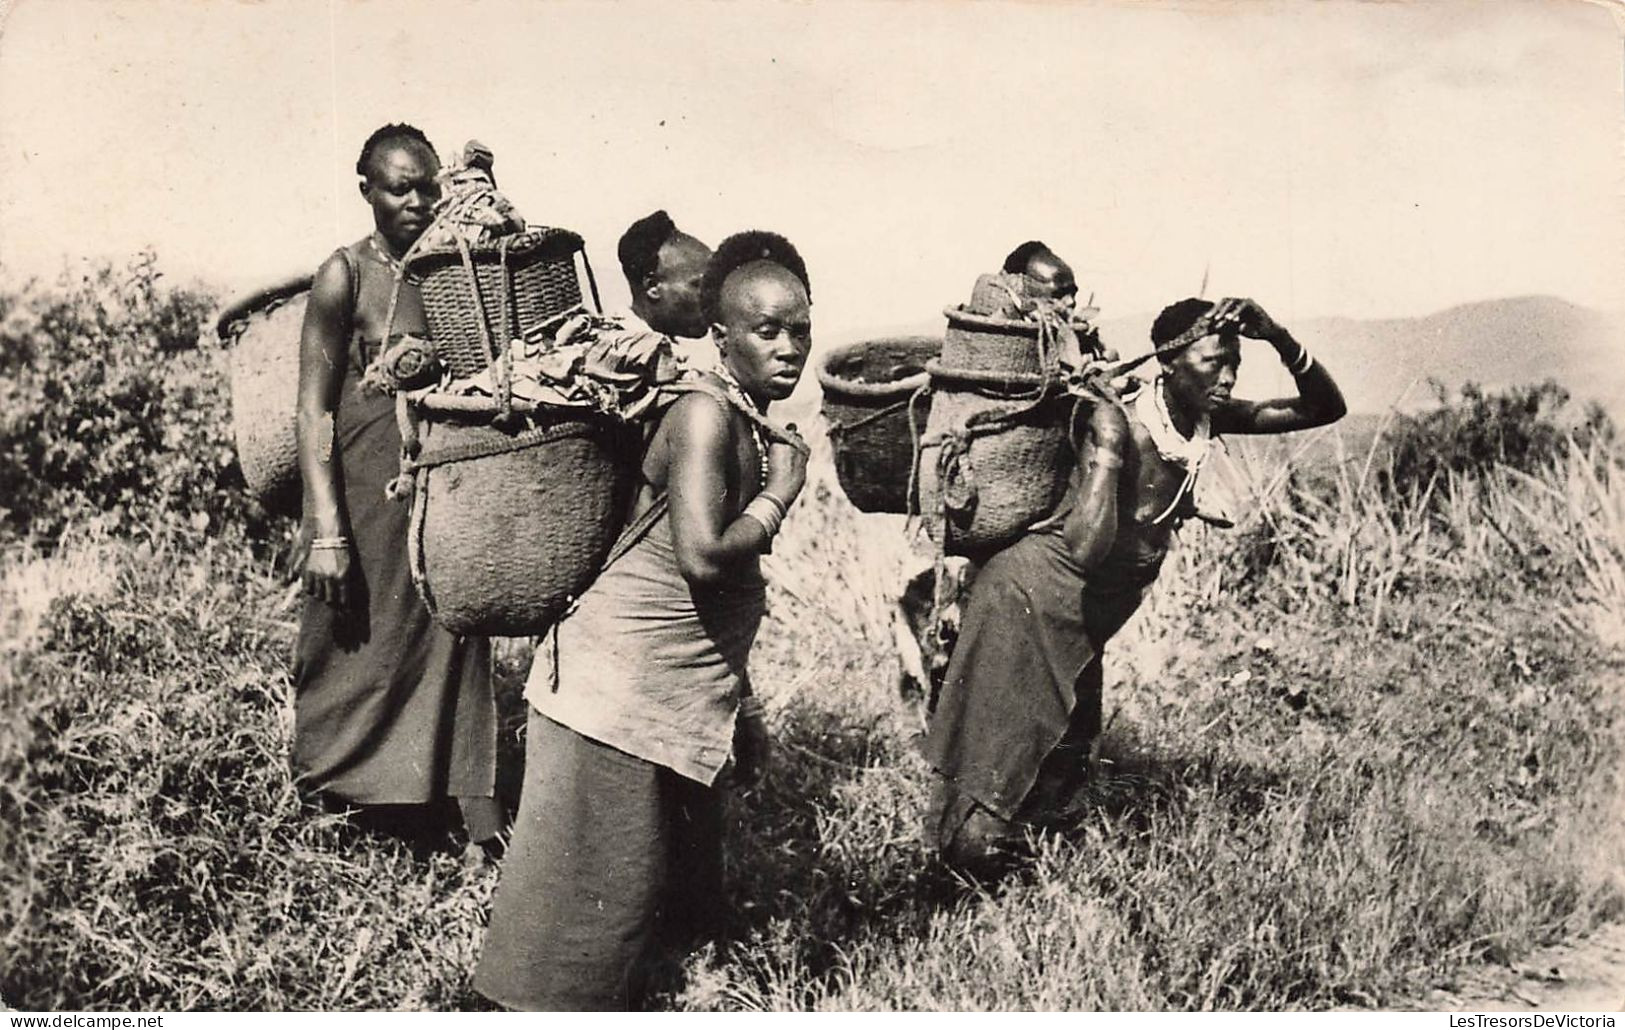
(391, 712)
(1021, 702)
(640, 697)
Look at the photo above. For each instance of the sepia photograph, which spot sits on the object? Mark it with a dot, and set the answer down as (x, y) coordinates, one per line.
(764, 506)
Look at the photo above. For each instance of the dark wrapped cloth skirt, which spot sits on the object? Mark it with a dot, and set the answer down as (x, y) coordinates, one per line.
(390, 709)
(1023, 686)
(612, 856)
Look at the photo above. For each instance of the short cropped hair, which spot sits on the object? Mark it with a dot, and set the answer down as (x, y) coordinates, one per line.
(639, 248)
(1176, 318)
(395, 132)
(1019, 258)
(739, 250)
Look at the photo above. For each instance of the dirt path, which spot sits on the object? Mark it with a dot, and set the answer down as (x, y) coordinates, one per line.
(1584, 976)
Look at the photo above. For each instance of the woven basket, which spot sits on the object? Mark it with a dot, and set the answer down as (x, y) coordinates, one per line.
(262, 330)
(540, 282)
(501, 541)
(996, 346)
(1006, 479)
(867, 389)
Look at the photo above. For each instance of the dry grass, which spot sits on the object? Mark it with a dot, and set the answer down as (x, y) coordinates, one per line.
(1355, 745)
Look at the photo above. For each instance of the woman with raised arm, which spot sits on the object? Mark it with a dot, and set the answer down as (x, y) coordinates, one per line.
(640, 700)
(392, 713)
(1021, 704)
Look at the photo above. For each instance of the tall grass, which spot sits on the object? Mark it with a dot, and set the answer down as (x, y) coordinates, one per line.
(1369, 737)
(1364, 740)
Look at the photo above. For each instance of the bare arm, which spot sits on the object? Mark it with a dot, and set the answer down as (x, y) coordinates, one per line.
(1090, 529)
(709, 539)
(1319, 402)
(322, 349)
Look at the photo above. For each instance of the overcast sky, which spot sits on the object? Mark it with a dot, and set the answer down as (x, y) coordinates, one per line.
(1327, 158)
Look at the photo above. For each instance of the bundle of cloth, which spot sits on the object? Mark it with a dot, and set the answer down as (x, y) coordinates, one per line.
(582, 359)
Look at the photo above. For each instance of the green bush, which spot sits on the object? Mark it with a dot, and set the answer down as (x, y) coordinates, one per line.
(1527, 428)
(112, 409)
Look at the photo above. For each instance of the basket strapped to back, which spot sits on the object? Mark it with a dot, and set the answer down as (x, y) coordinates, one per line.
(262, 330)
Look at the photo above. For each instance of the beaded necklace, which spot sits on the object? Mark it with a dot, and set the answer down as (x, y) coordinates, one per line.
(753, 413)
(382, 252)
(1188, 452)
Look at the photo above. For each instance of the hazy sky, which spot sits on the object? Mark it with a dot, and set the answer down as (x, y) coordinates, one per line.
(1327, 158)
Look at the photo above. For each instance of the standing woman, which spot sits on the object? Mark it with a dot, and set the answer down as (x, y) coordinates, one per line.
(392, 713)
(640, 698)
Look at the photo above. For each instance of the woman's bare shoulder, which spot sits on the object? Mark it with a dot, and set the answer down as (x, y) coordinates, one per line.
(700, 414)
(332, 279)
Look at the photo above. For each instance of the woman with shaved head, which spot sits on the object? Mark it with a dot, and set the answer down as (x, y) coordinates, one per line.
(639, 701)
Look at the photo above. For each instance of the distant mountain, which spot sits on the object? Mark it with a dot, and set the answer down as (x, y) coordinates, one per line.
(1494, 343)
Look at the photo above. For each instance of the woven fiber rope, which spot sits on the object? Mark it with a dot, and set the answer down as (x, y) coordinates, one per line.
(867, 391)
(506, 294)
(508, 526)
(262, 329)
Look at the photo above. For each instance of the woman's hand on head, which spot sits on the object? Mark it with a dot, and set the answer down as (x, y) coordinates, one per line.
(1245, 316)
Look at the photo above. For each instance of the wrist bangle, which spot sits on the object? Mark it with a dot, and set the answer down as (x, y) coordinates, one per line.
(767, 512)
(330, 543)
(1304, 358)
(751, 707)
(784, 509)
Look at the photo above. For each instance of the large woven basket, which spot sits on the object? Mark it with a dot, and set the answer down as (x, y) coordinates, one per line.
(868, 388)
(262, 329)
(1002, 481)
(512, 288)
(509, 527)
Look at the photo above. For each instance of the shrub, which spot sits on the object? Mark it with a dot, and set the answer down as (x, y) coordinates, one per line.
(112, 409)
(1527, 428)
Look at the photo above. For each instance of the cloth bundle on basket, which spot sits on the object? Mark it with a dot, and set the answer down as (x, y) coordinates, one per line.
(262, 331)
(518, 455)
(995, 454)
(875, 402)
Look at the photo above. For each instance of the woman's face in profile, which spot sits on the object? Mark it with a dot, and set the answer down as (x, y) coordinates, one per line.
(402, 190)
(766, 331)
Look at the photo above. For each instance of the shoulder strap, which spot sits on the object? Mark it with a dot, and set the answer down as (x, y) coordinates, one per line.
(637, 530)
(774, 430)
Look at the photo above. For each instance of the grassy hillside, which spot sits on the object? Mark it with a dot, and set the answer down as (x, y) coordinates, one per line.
(1365, 740)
